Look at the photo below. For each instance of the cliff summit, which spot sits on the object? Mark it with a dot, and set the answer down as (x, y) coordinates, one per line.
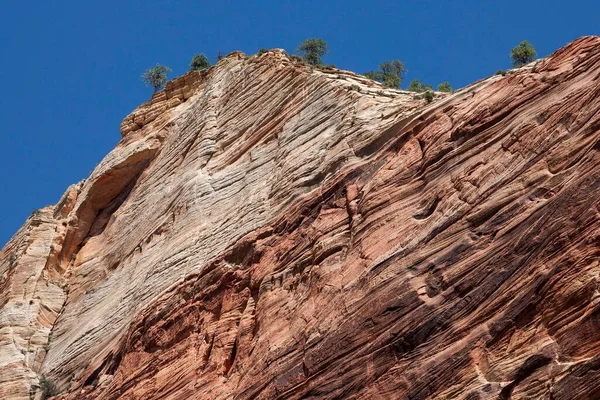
(269, 230)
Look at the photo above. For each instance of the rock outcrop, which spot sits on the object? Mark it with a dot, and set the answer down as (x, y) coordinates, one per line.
(267, 230)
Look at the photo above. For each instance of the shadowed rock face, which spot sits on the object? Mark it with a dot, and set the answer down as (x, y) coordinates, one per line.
(267, 231)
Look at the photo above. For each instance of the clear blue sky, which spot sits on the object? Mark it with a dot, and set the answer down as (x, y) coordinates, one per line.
(70, 70)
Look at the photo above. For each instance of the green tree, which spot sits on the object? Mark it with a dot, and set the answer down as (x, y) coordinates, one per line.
(416, 86)
(523, 54)
(199, 61)
(390, 73)
(373, 75)
(156, 76)
(444, 87)
(312, 50)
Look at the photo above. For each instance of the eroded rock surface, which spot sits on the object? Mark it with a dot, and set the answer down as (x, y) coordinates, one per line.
(32, 294)
(282, 232)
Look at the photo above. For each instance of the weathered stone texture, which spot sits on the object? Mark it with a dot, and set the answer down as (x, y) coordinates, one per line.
(283, 232)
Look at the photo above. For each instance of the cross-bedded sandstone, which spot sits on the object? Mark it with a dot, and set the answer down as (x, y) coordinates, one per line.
(282, 232)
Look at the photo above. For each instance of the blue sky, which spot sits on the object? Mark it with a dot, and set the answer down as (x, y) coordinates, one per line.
(70, 70)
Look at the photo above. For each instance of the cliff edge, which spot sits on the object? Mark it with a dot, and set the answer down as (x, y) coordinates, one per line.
(269, 230)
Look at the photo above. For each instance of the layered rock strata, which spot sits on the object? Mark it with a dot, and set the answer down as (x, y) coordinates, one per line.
(266, 230)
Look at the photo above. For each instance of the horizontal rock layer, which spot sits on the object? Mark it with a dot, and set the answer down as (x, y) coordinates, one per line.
(283, 232)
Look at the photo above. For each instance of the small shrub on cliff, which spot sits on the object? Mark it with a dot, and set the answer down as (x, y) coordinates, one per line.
(373, 75)
(199, 61)
(312, 50)
(416, 86)
(445, 87)
(261, 51)
(390, 73)
(156, 77)
(11, 261)
(48, 388)
(428, 96)
(522, 54)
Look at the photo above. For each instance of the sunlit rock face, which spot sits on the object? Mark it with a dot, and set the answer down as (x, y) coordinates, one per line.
(269, 230)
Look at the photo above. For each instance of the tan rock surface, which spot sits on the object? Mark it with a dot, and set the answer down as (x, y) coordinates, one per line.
(282, 232)
(32, 294)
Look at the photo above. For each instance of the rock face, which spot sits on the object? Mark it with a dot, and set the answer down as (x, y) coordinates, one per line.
(265, 230)
(32, 294)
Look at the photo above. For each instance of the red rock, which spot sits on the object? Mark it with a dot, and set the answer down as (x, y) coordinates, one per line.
(279, 234)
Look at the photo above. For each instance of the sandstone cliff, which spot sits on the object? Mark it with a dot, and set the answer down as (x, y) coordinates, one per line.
(266, 230)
